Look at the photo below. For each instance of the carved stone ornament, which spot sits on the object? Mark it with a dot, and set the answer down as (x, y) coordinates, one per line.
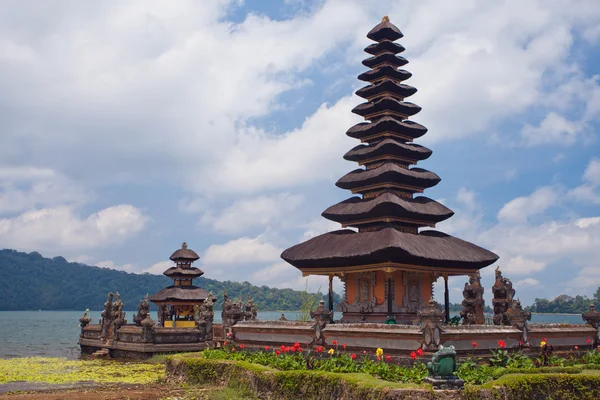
(106, 320)
(232, 312)
(322, 316)
(518, 318)
(431, 320)
(250, 310)
(503, 297)
(473, 303)
(204, 316)
(118, 315)
(143, 311)
(85, 320)
(592, 317)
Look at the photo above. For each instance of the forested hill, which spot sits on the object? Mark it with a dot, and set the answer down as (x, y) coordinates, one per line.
(32, 282)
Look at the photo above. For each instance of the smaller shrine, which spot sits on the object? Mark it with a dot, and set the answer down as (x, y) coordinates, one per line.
(176, 303)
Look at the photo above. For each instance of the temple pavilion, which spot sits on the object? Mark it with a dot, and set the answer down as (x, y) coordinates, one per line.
(176, 303)
(389, 263)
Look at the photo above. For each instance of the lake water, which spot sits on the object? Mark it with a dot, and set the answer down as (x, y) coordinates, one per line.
(55, 333)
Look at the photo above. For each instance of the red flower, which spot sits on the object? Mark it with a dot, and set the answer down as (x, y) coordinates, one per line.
(242, 346)
(576, 347)
(233, 350)
(378, 358)
(298, 349)
(334, 343)
(296, 345)
(278, 352)
(521, 343)
(419, 351)
(344, 346)
(365, 352)
(282, 348)
(267, 348)
(502, 344)
(388, 358)
(588, 341)
(474, 344)
(413, 355)
(353, 356)
(544, 340)
(320, 349)
(225, 343)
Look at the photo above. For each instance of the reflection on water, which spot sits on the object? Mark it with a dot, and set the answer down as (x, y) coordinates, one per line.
(55, 333)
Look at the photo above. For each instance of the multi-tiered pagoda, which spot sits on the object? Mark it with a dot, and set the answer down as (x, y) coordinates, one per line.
(176, 303)
(388, 266)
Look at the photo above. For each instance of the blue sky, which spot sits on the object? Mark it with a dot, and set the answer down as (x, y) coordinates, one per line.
(128, 128)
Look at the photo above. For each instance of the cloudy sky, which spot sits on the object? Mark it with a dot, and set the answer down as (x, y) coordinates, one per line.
(128, 127)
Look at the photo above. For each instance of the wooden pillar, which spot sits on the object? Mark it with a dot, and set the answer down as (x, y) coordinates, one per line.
(446, 298)
(390, 296)
(330, 292)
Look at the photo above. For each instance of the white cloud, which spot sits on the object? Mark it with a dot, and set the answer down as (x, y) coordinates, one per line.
(553, 128)
(25, 188)
(592, 172)
(527, 282)
(62, 229)
(159, 267)
(520, 265)
(240, 251)
(588, 192)
(261, 211)
(521, 208)
(112, 265)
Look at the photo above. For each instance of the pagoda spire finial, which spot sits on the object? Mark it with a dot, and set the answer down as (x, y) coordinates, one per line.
(385, 19)
(184, 245)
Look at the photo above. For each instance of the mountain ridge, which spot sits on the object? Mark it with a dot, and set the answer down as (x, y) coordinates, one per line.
(31, 282)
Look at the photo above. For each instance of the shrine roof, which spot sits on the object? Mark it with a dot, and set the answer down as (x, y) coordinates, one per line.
(388, 204)
(385, 46)
(385, 30)
(389, 58)
(409, 129)
(385, 71)
(192, 272)
(345, 248)
(388, 172)
(181, 293)
(388, 147)
(184, 254)
(386, 85)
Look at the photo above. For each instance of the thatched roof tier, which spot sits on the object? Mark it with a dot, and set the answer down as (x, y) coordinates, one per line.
(385, 71)
(180, 293)
(388, 172)
(175, 272)
(346, 249)
(385, 59)
(386, 86)
(388, 147)
(386, 104)
(385, 30)
(385, 46)
(389, 205)
(387, 126)
(184, 254)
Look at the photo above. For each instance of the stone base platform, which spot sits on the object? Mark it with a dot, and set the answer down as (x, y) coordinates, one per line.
(445, 382)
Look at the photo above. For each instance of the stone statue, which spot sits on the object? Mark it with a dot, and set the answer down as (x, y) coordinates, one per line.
(163, 314)
(250, 310)
(473, 303)
(106, 320)
(118, 315)
(592, 317)
(143, 311)
(232, 312)
(322, 316)
(204, 316)
(503, 298)
(441, 369)
(283, 318)
(518, 318)
(85, 320)
(431, 319)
